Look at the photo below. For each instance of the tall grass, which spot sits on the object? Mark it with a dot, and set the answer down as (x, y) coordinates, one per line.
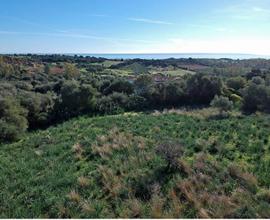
(110, 167)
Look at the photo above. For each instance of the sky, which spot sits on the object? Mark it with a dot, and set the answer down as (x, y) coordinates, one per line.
(135, 26)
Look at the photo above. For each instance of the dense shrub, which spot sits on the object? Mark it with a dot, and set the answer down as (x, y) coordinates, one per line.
(142, 84)
(236, 83)
(46, 87)
(103, 85)
(40, 108)
(71, 71)
(7, 89)
(113, 103)
(256, 96)
(75, 99)
(202, 89)
(254, 73)
(13, 122)
(120, 86)
(6, 69)
(222, 103)
(164, 94)
(136, 103)
(24, 85)
(171, 152)
(156, 94)
(175, 93)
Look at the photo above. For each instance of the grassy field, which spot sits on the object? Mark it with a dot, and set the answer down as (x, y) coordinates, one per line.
(117, 72)
(140, 165)
(178, 72)
(107, 63)
(171, 71)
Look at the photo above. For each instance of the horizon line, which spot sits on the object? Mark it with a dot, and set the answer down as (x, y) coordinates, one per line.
(129, 53)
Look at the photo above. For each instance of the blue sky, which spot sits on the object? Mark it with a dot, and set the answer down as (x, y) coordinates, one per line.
(135, 26)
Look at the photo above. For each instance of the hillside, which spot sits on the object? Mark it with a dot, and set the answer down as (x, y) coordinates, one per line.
(139, 165)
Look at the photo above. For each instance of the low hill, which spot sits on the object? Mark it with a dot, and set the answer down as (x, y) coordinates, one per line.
(139, 165)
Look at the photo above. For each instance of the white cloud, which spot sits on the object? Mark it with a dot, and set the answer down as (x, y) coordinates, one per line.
(64, 33)
(150, 21)
(261, 10)
(212, 28)
(246, 11)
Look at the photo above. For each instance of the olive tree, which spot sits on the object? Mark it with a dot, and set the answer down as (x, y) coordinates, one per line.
(222, 103)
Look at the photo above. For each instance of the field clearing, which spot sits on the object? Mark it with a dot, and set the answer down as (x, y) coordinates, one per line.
(171, 71)
(109, 167)
(178, 72)
(107, 63)
(117, 72)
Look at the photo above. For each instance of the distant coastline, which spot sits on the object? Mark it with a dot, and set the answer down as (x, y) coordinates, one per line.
(173, 55)
(159, 56)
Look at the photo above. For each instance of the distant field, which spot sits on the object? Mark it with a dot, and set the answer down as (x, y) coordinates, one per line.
(117, 72)
(107, 63)
(178, 72)
(110, 167)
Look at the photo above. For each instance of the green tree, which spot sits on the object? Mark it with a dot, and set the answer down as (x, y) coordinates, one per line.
(5, 68)
(256, 97)
(75, 99)
(113, 103)
(39, 106)
(71, 71)
(136, 102)
(222, 103)
(47, 69)
(236, 83)
(143, 83)
(201, 89)
(120, 86)
(175, 93)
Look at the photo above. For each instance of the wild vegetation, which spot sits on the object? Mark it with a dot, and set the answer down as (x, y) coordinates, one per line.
(140, 165)
(87, 137)
(48, 89)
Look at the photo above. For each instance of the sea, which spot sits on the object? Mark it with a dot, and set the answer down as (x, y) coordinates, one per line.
(174, 55)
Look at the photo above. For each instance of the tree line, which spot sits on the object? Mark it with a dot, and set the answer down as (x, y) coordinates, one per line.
(33, 101)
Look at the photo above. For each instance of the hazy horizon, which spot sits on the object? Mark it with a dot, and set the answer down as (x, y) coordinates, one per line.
(159, 56)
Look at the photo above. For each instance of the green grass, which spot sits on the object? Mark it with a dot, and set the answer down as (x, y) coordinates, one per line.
(171, 71)
(107, 63)
(108, 167)
(117, 72)
(136, 68)
(179, 72)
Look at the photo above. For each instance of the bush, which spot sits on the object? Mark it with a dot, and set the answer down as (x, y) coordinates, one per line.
(112, 104)
(142, 84)
(120, 86)
(13, 121)
(39, 106)
(75, 99)
(71, 71)
(256, 97)
(171, 152)
(136, 102)
(202, 89)
(236, 83)
(222, 103)
(175, 93)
